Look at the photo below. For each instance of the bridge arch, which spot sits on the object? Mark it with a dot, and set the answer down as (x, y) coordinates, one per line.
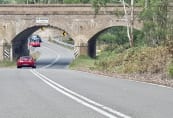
(20, 42)
(91, 50)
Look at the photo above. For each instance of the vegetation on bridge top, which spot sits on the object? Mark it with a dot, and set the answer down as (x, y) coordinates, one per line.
(55, 1)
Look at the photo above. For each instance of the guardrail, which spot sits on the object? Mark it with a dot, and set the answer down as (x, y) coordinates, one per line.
(63, 43)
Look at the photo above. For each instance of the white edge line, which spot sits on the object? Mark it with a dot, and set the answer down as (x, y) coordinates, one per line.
(143, 82)
(80, 96)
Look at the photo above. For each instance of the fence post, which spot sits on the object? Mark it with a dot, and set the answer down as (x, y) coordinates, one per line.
(6, 51)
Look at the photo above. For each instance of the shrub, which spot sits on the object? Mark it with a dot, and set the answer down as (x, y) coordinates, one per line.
(170, 70)
(136, 60)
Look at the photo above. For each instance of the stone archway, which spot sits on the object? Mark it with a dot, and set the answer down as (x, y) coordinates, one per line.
(91, 44)
(20, 42)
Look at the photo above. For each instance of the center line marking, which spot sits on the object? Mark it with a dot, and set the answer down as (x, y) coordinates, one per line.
(55, 60)
(106, 111)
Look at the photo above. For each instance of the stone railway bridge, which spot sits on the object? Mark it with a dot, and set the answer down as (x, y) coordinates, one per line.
(18, 22)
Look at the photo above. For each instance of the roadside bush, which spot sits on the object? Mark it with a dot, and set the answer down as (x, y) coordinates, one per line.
(137, 60)
(170, 69)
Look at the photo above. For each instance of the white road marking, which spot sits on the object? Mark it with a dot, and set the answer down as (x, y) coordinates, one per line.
(143, 82)
(55, 60)
(106, 111)
(137, 81)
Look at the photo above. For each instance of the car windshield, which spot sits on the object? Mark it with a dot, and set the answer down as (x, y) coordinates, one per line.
(26, 57)
(35, 38)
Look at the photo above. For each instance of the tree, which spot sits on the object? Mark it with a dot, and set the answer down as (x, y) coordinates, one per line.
(130, 21)
(6, 1)
(97, 4)
(156, 22)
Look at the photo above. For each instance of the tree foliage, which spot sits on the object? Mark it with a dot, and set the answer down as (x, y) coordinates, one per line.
(57, 1)
(157, 22)
(156, 18)
(116, 35)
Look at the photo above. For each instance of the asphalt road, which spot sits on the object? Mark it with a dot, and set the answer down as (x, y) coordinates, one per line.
(53, 91)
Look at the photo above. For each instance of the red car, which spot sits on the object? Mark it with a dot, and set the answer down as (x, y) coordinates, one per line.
(34, 43)
(26, 61)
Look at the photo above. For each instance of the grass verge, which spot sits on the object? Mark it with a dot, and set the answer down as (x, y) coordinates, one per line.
(83, 62)
(7, 63)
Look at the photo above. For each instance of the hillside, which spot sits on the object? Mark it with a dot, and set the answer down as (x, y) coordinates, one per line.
(147, 64)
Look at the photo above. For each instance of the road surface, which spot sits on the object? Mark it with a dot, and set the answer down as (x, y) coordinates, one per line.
(53, 91)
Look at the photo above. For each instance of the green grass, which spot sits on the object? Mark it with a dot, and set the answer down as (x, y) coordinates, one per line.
(83, 62)
(170, 69)
(7, 63)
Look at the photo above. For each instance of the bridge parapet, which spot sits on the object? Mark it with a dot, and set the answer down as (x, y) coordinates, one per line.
(58, 9)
